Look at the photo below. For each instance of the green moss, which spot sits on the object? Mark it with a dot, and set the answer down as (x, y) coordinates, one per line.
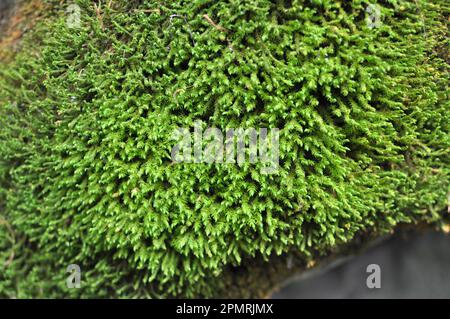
(87, 114)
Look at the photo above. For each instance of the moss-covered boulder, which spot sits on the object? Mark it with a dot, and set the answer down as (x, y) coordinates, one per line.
(357, 89)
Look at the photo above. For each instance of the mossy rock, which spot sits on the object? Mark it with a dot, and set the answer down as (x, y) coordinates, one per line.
(86, 117)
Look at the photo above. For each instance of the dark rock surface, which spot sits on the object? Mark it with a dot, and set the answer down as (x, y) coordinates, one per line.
(6, 7)
(412, 266)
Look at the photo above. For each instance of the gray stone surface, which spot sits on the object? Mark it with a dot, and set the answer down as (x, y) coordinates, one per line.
(412, 266)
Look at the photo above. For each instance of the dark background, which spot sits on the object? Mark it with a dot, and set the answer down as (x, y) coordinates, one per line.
(6, 6)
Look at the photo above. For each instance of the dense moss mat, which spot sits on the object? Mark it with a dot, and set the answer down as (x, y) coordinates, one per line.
(86, 116)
